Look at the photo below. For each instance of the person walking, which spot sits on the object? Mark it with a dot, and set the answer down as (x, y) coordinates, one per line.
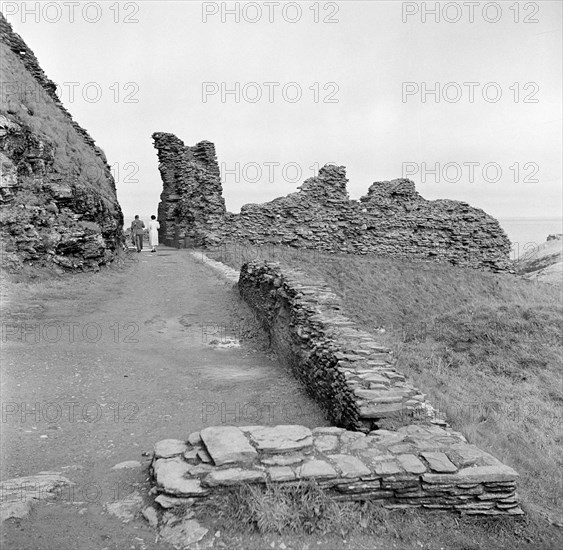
(154, 226)
(138, 231)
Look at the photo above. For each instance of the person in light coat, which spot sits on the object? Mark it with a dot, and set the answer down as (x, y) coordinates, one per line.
(154, 226)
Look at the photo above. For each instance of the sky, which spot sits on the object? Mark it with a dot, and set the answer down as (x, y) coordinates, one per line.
(465, 100)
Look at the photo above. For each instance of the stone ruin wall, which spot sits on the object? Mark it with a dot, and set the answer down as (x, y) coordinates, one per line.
(191, 204)
(57, 195)
(392, 219)
(348, 373)
(388, 445)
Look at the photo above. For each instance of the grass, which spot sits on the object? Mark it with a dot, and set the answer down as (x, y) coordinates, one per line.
(486, 348)
(302, 514)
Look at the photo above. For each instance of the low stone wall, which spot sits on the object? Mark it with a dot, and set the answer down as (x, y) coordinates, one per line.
(413, 467)
(345, 369)
(417, 465)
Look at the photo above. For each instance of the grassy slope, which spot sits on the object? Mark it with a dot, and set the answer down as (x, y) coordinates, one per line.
(485, 347)
(73, 158)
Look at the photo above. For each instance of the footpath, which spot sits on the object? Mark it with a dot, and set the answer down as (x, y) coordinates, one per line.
(97, 369)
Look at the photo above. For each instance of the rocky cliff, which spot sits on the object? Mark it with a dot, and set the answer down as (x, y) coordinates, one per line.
(57, 195)
(392, 219)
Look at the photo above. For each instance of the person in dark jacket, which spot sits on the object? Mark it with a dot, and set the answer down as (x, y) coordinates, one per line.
(138, 231)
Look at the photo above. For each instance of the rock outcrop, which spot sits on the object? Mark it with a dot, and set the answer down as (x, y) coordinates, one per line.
(544, 262)
(57, 195)
(392, 219)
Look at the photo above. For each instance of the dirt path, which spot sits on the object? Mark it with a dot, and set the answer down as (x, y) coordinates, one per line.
(96, 370)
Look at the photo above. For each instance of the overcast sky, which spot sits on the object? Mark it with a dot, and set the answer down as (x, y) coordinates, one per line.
(365, 72)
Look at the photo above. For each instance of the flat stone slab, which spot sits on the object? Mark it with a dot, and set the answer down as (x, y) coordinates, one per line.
(474, 474)
(283, 460)
(412, 464)
(233, 476)
(183, 534)
(325, 443)
(349, 465)
(316, 469)
(280, 439)
(281, 473)
(227, 445)
(167, 448)
(169, 476)
(439, 462)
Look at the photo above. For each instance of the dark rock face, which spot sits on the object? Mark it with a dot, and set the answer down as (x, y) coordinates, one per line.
(392, 219)
(57, 195)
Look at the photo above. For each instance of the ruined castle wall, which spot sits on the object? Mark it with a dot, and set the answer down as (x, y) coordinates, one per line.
(191, 204)
(57, 195)
(392, 219)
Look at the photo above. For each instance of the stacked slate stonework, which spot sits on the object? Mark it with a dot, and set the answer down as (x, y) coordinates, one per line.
(414, 467)
(392, 219)
(191, 205)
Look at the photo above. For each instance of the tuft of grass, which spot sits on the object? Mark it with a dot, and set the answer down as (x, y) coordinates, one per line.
(302, 512)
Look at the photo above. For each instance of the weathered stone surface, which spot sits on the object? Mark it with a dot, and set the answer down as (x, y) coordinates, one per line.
(127, 465)
(472, 474)
(126, 509)
(200, 469)
(169, 476)
(191, 455)
(317, 469)
(18, 509)
(411, 463)
(168, 448)
(74, 221)
(151, 515)
(233, 476)
(349, 465)
(283, 460)
(387, 468)
(280, 439)
(19, 493)
(464, 455)
(204, 456)
(227, 445)
(325, 443)
(329, 430)
(183, 533)
(281, 473)
(439, 462)
(166, 501)
(194, 439)
(361, 487)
